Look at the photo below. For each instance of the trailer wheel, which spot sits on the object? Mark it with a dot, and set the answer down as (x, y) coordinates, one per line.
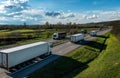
(50, 53)
(47, 54)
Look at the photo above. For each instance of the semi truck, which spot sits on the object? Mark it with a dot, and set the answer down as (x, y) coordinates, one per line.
(59, 35)
(76, 38)
(14, 56)
(84, 31)
(93, 33)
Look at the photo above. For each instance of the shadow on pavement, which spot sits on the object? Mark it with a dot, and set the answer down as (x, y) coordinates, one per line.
(60, 68)
(101, 36)
(94, 44)
(57, 68)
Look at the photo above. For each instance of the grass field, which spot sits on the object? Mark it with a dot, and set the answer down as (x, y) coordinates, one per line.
(26, 32)
(118, 36)
(107, 65)
(74, 62)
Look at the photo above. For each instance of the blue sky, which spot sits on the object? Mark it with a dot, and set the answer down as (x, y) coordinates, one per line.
(76, 5)
(54, 11)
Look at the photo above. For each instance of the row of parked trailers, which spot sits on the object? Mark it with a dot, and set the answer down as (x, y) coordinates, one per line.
(74, 38)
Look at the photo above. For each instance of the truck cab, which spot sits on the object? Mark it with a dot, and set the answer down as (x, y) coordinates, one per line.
(59, 35)
(55, 36)
(84, 31)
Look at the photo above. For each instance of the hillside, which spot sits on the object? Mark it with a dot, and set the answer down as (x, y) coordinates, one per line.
(107, 65)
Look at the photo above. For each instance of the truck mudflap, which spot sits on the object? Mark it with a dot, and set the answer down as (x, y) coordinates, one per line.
(48, 53)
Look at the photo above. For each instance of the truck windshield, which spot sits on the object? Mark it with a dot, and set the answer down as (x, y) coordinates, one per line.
(54, 35)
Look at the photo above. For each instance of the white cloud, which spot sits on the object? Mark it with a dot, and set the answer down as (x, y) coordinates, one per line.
(34, 12)
(60, 15)
(11, 6)
(3, 18)
(66, 15)
(93, 17)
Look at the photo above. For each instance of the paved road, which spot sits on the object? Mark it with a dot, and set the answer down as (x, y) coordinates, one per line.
(58, 51)
(3, 73)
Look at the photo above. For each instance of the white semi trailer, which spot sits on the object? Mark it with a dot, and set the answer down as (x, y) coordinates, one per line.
(76, 37)
(16, 55)
(93, 33)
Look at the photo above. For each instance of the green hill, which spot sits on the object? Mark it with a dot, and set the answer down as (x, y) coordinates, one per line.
(107, 64)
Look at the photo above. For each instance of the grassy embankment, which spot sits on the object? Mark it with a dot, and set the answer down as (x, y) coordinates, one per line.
(107, 65)
(73, 63)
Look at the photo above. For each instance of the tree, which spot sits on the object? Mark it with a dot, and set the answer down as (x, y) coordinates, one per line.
(70, 23)
(74, 23)
(48, 35)
(47, 23)
(24, 23)
(37, 33)
(59, 23)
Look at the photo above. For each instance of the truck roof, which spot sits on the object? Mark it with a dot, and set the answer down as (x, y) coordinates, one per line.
(61, 32)
(93, 31)
(13, 49)
(77, 34)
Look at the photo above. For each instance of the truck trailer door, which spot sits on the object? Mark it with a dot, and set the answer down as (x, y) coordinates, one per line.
(0, 59)
(4, 60)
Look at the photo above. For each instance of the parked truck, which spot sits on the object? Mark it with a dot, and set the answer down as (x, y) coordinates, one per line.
(17, 55)
(60, 35)
(93, 33)
(76, 38)
(84, 31)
